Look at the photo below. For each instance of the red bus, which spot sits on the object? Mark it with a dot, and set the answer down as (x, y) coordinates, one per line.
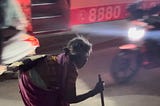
(52, 16)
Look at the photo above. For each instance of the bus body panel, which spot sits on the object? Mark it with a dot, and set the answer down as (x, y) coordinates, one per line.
(83, 12)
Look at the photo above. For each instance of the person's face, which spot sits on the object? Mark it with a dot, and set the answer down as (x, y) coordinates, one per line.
(80, 59)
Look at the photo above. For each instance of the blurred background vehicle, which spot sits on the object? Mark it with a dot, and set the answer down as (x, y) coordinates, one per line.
(143, 48)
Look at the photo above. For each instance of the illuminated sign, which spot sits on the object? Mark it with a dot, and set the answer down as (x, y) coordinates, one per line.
(90, 11)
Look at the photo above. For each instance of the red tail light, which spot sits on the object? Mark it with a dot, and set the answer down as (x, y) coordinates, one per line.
(34, 41)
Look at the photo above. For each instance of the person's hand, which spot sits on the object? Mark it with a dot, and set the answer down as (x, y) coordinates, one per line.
(98, 88)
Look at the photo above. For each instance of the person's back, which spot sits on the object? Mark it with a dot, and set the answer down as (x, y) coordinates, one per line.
(41, 85)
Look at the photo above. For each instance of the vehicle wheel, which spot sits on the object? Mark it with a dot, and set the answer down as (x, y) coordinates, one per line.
(125, 65)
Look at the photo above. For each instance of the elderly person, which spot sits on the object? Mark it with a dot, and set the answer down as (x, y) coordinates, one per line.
(50, 80)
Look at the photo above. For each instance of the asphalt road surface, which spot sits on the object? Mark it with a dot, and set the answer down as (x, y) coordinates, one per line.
(142, 90)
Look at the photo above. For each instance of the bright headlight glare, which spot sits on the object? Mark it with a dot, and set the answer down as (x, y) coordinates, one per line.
(135, 34)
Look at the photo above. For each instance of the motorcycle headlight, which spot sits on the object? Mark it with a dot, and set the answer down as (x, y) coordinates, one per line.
(135, 34)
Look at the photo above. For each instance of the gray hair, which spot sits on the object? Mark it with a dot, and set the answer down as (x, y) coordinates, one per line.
(79, 44)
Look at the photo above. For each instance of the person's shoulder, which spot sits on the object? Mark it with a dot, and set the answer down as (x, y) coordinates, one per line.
(55, 58)
(51, 58)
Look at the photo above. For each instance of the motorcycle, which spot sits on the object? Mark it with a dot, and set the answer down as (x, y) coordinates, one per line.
(143, 50)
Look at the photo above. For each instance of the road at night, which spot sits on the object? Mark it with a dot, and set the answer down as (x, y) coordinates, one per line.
(143, 90)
